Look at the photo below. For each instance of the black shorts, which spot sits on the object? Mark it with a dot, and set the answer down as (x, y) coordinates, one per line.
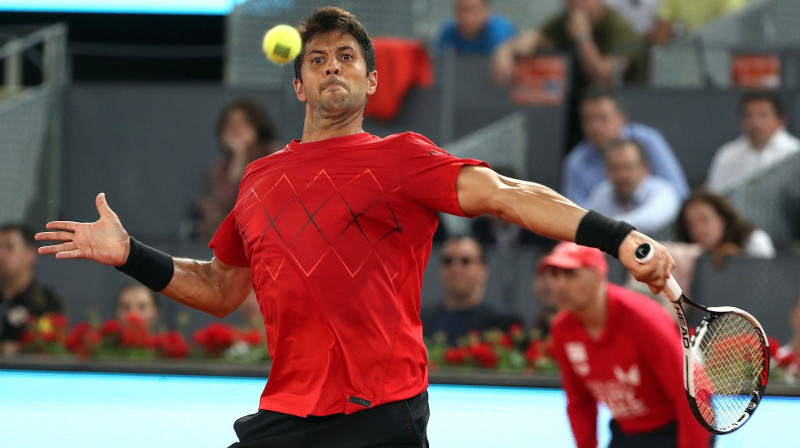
(400, 424)
(663, 437)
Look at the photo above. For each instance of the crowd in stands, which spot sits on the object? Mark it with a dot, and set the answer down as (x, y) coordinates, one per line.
(613, 164)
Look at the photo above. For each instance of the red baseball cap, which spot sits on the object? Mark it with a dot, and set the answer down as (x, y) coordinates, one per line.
(573, 256)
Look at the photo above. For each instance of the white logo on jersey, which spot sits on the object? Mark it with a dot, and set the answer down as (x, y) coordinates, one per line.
(631, 377)
(576, 353)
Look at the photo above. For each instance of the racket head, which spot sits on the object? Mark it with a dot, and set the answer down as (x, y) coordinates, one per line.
(729, 368)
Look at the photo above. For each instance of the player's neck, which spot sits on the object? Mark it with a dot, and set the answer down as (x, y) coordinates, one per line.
(317, 128)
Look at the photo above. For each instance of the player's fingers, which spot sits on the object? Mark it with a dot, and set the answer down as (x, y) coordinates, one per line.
(62, 225)
(75, 253)
(102, 205)
(56, 248)
(54, 236)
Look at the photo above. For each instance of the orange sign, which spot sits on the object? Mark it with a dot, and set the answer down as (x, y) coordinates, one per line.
(540, 80)
(756, 70)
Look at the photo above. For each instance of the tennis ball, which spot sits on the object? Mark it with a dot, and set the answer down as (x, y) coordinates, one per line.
(282, 43)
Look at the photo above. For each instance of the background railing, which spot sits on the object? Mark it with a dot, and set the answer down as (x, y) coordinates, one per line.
(34, 74)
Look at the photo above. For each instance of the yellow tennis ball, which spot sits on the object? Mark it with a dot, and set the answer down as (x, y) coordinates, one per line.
(282, 43)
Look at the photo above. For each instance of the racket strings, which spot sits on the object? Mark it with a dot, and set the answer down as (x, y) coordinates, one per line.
(727, 366)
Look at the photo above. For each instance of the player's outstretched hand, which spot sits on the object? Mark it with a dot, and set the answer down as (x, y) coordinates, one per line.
(655, 272)
(104, 241)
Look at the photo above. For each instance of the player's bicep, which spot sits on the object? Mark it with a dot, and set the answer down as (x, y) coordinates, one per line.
(477, 187)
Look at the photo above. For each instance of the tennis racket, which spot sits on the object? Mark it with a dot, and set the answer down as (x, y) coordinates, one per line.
(725, 363)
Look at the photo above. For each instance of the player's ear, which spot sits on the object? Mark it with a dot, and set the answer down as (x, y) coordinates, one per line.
(372, 79)
(298, 89)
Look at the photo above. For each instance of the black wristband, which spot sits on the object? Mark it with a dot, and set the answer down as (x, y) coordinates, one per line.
(151, 267)
(602, 232)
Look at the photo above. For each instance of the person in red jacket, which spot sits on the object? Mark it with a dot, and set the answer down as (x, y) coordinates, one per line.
(620, 348)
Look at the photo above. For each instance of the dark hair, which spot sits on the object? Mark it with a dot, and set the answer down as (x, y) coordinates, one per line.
(623, 142)
(762, 95)
(131, 285)
(331, 18)
(481, 246)
(256, 115)
(24, 231)
(596, 92)
(737, 230)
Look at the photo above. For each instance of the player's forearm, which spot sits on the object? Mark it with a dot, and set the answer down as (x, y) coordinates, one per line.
(196, 284)
(538, 209)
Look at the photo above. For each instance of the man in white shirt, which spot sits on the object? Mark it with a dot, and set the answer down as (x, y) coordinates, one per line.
(764, 143)
(648, 202)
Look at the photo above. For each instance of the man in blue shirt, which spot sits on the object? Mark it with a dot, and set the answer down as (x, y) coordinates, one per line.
(630, 193)
(604, 121)
(475, 29)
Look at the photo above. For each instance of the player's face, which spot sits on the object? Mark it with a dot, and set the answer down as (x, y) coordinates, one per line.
(575, 290)
(760, 122)
(625, 170)
(704, 225)
(335, 79)
(138, 301)
(16, 257)
(602, 122)
(471, 17)
(462, 270)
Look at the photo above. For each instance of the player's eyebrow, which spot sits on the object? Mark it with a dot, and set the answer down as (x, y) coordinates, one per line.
(338, 49)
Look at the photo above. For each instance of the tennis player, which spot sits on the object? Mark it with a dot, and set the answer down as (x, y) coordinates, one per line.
(620, 348)
(334, 233)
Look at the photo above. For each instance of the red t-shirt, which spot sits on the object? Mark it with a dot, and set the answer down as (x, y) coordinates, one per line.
(635, 367)
(337, 234)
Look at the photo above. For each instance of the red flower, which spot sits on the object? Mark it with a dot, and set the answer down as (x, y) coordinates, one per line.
(774, 345)
(82, 340)
(515, 329)
(505, 341)
(134, 333)
(173, 345)
(214, 338)
(455, 356)
(484, 355)
(537, 350)
(110, 328)
(52, 327)
(252, 336)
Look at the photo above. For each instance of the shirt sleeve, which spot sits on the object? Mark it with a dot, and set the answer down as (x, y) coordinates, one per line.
(428, 174)
(581, 404)
(227, 243)
(664, 354)
(656, 211)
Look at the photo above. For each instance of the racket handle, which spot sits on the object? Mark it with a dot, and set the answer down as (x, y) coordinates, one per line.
(672, 290)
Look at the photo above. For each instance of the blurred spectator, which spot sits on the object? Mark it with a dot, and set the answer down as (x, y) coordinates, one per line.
(630, 193)
(464, 274)
(641, 14)
(676, 17)
(21, 296)
(617, 347)
(602, 46)
(475, 29)
(492, 231)
(245, 133)
(542, 286)
(788, 356)
(139, 300)
(764, 142)
(604, 120)
(710, 221)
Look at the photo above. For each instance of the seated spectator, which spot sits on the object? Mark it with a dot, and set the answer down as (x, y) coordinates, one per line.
(475, 29)
(641, 14)
(710, 221)
(492, 231)
(631, 193)
(464, 274)
(139, 300)
(21, 295)
(245, 133)
(676, 17)
(764, 142)
(542, 286)
(788, 356)
(604, 121)
(602, 47)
